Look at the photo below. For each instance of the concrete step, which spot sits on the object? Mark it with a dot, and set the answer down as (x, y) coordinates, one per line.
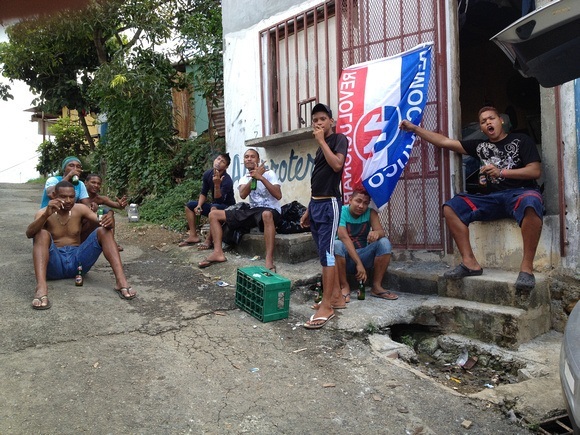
(505, 326)
(487, 307)
(288, 248)
(497, 287)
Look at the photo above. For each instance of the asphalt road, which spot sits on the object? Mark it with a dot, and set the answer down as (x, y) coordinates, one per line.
(182, 359)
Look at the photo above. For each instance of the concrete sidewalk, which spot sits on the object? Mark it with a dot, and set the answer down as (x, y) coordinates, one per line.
(536, 396)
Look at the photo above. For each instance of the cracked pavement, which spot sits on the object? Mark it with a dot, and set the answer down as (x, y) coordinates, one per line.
(181, 358)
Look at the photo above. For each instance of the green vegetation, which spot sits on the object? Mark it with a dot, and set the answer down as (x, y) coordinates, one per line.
(408, 340)
(371, 328)
(168, 209)
(69, 140)
(195, 157)
(104, 59)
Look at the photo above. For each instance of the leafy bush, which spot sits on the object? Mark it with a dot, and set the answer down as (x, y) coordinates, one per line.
(167, 209)
(135, 92)
(69, 140)
(191, 160)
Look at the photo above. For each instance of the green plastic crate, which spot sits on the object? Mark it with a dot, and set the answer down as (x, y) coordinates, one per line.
(262, 293)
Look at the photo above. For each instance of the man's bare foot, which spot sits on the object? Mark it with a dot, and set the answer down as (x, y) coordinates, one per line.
(336, 302)
(381, 293)
(189, 241)
(126, 292)
(212, 258)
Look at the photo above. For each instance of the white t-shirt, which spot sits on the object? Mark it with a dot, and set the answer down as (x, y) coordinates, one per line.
(261, 197)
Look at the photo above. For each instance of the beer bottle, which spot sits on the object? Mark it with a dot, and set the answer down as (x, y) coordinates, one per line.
(318, 289)
(482, 177)
(361, 290)
(100, 212)
(253, 184)
(79, 276)
(74, 180)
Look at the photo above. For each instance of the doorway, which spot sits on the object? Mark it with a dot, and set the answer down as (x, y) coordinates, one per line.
(488, 78)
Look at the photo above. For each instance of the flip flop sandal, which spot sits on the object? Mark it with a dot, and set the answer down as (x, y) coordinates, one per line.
(204, 247)
(316, 306)
(122, 296)
(184, 243)
(42, 307)
(386, 295)
(316, 319)
(207, 263)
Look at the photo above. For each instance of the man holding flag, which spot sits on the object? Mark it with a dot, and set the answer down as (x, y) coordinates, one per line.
(511, 166)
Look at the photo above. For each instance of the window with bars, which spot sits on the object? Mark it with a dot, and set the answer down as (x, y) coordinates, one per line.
(373, 29)
(298, 64)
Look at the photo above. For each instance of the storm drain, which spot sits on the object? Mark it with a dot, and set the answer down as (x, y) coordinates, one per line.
(463, 368)
(560, 425)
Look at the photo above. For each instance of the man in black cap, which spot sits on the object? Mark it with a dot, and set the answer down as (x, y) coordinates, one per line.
(323, 212)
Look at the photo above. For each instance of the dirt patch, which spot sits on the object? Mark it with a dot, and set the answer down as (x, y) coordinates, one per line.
(145, 235)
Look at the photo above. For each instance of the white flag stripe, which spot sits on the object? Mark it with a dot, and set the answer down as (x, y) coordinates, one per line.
(383, 84)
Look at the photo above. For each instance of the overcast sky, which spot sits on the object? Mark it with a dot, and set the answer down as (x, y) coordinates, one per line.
(19, 137)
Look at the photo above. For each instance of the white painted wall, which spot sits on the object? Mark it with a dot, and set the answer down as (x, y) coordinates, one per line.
(242, 102)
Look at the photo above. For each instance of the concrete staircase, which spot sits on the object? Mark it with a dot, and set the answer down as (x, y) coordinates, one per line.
(488, 307)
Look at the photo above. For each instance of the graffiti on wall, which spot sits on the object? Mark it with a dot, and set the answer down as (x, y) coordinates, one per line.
(293, 168)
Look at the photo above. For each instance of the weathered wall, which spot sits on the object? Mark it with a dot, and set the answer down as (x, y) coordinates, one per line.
(241, 16)
(242, 96)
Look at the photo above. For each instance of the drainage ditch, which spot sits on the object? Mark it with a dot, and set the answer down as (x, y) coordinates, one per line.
(461, 366)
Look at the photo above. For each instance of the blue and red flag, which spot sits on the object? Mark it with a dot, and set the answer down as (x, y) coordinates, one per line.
(374, 97)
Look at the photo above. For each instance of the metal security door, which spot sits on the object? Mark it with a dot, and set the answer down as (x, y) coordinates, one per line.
(372, 29)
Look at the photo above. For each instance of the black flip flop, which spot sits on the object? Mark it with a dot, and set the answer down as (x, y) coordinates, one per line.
(462, 271)
(207, 263)
(42, 307)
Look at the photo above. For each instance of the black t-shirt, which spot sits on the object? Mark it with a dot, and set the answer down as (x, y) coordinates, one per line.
(325, 181)
(226, 188)
(512, 152)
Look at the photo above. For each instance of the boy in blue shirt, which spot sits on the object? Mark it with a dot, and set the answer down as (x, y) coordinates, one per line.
(362, 245)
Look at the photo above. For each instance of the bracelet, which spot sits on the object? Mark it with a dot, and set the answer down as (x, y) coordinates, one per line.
(501, 173)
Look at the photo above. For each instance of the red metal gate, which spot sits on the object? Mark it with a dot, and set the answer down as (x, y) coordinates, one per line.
(372, 29)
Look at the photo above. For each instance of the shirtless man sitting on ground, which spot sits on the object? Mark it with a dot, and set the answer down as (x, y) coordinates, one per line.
(58, 251)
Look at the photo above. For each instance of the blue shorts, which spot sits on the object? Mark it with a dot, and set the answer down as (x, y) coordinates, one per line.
(205, 207)
(366, 254)
(510, 203)
(324, 217)
(63, 262)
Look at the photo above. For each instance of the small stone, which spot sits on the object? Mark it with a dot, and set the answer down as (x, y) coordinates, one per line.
(377, 398)
(466, 424)
(328, 385)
